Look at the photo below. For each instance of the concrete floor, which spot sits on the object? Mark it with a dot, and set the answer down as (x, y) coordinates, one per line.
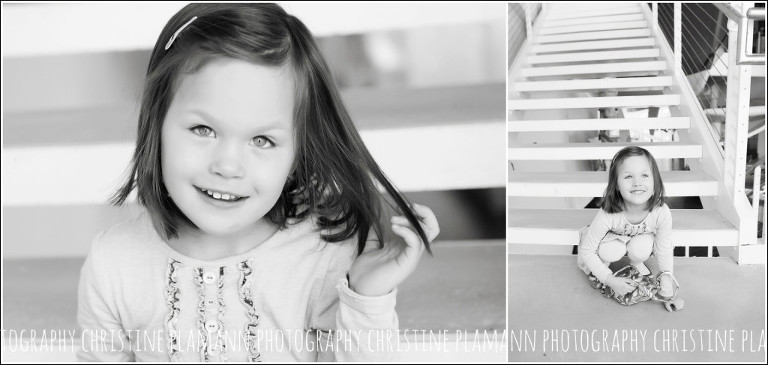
(549, 295)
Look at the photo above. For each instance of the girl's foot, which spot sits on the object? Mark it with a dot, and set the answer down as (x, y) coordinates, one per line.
(642, 269)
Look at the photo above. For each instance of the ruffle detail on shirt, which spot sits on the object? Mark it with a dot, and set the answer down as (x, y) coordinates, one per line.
(246, 298)
(172, 301)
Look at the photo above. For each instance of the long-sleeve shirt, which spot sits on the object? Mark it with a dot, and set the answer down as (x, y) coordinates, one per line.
(607, 226)
(285, 300)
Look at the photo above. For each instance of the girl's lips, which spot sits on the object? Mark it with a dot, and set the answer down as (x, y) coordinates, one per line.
(220, 192)
(222, 202)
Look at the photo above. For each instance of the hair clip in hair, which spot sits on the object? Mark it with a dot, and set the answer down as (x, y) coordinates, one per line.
(173, 37)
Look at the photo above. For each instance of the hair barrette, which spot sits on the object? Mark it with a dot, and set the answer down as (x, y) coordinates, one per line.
(173, 37)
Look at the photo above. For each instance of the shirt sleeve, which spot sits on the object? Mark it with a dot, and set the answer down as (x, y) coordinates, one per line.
(103, 337)
(352, 327)
(663, 248)
(588, 258)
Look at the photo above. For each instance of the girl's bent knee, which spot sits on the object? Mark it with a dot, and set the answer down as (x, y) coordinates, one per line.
(611, 251)
(639, 248)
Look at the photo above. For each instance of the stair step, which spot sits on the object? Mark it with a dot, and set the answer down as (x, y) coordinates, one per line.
(595, 68)
(595, 102)
(589, 36)
(593, 56)
(580, 7)
(592, 184)
(592, 45)
(604, 19)
(593, 27)
(690, 227)
(590, 13)
(599, 151)
(597, 124)
(592, 84)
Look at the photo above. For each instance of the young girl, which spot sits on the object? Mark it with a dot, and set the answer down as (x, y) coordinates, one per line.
(633, 220)
(261, 237)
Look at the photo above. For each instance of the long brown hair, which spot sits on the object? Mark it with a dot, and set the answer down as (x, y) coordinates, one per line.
(334, 176)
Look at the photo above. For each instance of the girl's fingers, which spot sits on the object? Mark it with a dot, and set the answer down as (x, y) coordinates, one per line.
(411, 238)
(429, 219)
(403, 222)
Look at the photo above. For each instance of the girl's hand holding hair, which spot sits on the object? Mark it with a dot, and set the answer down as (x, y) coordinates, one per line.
(377, 272)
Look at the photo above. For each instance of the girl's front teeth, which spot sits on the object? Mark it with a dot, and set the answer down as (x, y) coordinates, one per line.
(220, 196)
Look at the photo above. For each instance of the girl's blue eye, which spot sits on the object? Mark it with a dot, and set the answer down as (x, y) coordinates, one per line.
(262, 142)
(203, 131)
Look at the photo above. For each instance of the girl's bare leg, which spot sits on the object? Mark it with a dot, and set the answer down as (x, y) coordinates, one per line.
(639, 249)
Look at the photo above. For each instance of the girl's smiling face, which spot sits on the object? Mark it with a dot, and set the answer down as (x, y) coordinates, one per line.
(228, 144)
(635, 182)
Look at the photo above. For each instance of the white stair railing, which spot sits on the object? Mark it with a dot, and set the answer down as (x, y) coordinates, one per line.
(734, 67)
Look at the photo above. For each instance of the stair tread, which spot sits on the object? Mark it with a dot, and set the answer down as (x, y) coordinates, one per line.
(595, 102)
(604, 83)
(597, 124)
(593, 27)
(610, 44)
(594, 68)
(605, 19)
(570, 219)
(588, 36)
(593, 151)
(590, 13)
(690, 227)
(593, 183)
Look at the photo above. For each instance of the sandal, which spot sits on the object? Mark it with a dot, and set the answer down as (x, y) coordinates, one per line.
(672, 302)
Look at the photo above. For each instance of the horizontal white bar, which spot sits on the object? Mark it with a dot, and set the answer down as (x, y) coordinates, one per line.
(597, 124)
(415, 159)
(692, 227)
(599, 151)
(591, 184)
(596, 68)
(591, 45)
(603, 19)
(591, 13)
(595, 102)
(593, 27)
(45, 29)
(590, 84)
(589, 36)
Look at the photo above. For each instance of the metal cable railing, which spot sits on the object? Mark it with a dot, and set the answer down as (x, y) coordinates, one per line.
(704, 35)
(712, 43)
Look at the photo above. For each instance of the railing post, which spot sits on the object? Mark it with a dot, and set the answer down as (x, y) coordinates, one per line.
(736, 115)
(528, 19)
(756, 191)
(655, 7)
(678, 39)
(736, 131)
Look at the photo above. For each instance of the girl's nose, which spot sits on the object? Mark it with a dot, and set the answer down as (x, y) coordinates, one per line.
(227, 163)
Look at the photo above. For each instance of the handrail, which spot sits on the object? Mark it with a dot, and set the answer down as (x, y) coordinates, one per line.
(742, 18)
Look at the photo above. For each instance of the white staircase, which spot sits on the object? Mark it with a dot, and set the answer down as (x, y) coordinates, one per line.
(576, 53)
